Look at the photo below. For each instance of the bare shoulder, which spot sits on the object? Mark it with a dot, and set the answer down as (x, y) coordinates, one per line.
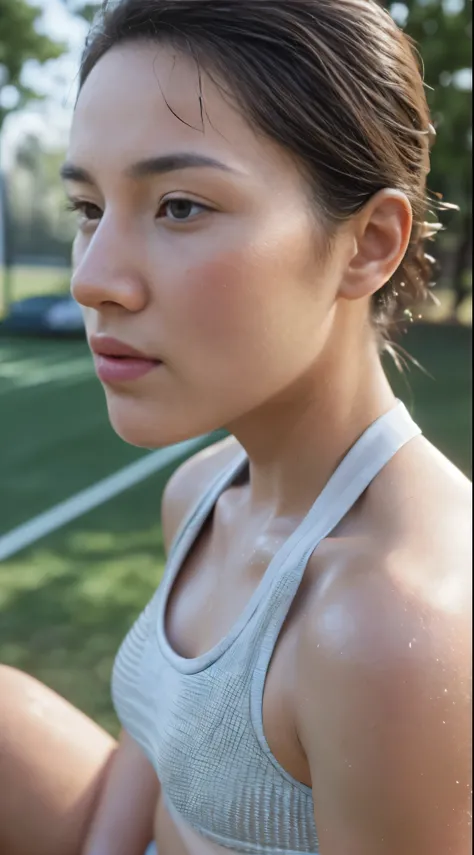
(384, 667)
(401, 585)
(421, 491)
(190, 480)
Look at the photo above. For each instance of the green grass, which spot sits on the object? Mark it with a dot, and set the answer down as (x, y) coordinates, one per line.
(439, 398)
(57, 434)
(67, 601)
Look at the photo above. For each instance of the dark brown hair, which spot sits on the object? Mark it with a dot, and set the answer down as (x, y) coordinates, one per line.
(335, 82)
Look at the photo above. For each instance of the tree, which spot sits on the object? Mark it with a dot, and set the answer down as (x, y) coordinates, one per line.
(19, 42)
(442, 31)
(86, 10)
(37, 202)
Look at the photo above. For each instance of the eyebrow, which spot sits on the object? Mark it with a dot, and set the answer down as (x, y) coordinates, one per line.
(151, 166)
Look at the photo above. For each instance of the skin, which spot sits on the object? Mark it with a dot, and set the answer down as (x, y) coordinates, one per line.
(264, 331)
(247, 285)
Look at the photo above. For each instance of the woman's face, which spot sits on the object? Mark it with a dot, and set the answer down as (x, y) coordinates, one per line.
(219, 271)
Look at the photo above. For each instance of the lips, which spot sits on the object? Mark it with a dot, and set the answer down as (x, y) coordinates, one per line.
(117, 362)
(107, 346)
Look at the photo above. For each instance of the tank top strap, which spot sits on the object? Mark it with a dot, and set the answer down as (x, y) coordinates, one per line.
(364, 461)
(367, 457)
(376, 447)
(193, 521)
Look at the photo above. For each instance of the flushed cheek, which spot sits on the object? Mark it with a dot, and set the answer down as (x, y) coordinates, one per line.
(222, 303)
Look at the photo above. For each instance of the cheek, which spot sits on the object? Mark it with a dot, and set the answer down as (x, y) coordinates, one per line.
(259, 303)
(221, 302)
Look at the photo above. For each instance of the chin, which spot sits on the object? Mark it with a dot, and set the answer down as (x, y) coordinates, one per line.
(150, 437)
(143, 428)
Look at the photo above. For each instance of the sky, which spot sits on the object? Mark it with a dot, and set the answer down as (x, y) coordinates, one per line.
(51, 119)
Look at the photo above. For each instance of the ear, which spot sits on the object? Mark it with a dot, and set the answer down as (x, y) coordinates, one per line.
(380, 236)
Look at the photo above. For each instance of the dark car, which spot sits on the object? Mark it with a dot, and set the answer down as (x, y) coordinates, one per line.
(45, 315)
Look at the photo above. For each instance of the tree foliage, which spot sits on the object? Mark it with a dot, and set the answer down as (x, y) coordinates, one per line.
(442, 31)
(85, 8)
(20, 41)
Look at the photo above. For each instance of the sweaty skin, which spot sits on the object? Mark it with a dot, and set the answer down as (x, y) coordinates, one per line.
(264, 330)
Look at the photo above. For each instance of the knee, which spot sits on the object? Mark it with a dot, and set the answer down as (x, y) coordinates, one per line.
(33, 715)
(53, 760)
(13, 681)
(22, 699)
(13, 693)
(20, 694)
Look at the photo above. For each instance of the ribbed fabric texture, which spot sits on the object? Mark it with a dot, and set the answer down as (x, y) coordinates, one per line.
(199, 721)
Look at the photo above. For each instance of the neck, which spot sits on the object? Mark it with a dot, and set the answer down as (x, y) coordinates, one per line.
(295, 441)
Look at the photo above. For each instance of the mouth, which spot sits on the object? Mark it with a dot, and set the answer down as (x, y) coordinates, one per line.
(116, 362)
(120, 369)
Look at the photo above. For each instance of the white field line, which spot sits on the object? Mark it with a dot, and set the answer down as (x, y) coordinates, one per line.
(36, 528)
(73, 370)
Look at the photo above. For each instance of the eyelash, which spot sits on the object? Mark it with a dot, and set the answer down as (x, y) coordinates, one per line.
(81, 207)
(78, 207)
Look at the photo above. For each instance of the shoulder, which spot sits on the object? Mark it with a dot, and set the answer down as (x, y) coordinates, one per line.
(422, 500)
(384, 673)
(389, 615)
(190, 480)
(393, 601)
(406, 556)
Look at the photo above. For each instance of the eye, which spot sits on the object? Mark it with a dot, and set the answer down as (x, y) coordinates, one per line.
(181, 210)
(87, 210)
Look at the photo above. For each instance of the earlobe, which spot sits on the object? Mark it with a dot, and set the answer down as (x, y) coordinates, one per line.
(382, 231)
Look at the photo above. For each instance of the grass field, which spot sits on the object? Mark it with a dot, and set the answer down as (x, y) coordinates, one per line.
(68, 600)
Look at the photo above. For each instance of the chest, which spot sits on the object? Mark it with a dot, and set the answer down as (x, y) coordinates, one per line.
(215, 582)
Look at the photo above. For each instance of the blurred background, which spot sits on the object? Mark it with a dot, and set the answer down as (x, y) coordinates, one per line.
(77, 565)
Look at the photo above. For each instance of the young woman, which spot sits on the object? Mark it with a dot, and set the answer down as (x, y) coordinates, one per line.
(250, 177)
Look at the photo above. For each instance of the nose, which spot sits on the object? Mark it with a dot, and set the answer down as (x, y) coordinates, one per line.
(105, 272)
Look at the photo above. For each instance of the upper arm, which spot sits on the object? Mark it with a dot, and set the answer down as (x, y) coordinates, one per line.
(123, 822)
(189, 481)
(384, 720)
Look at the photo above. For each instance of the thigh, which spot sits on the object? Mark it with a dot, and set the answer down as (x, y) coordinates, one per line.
(53, 760)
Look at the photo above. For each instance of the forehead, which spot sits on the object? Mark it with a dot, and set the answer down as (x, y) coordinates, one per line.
(143, 99)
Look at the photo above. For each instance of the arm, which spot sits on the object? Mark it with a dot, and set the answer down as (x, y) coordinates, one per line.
(384, 719)
(124, 817)
(123, 821)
